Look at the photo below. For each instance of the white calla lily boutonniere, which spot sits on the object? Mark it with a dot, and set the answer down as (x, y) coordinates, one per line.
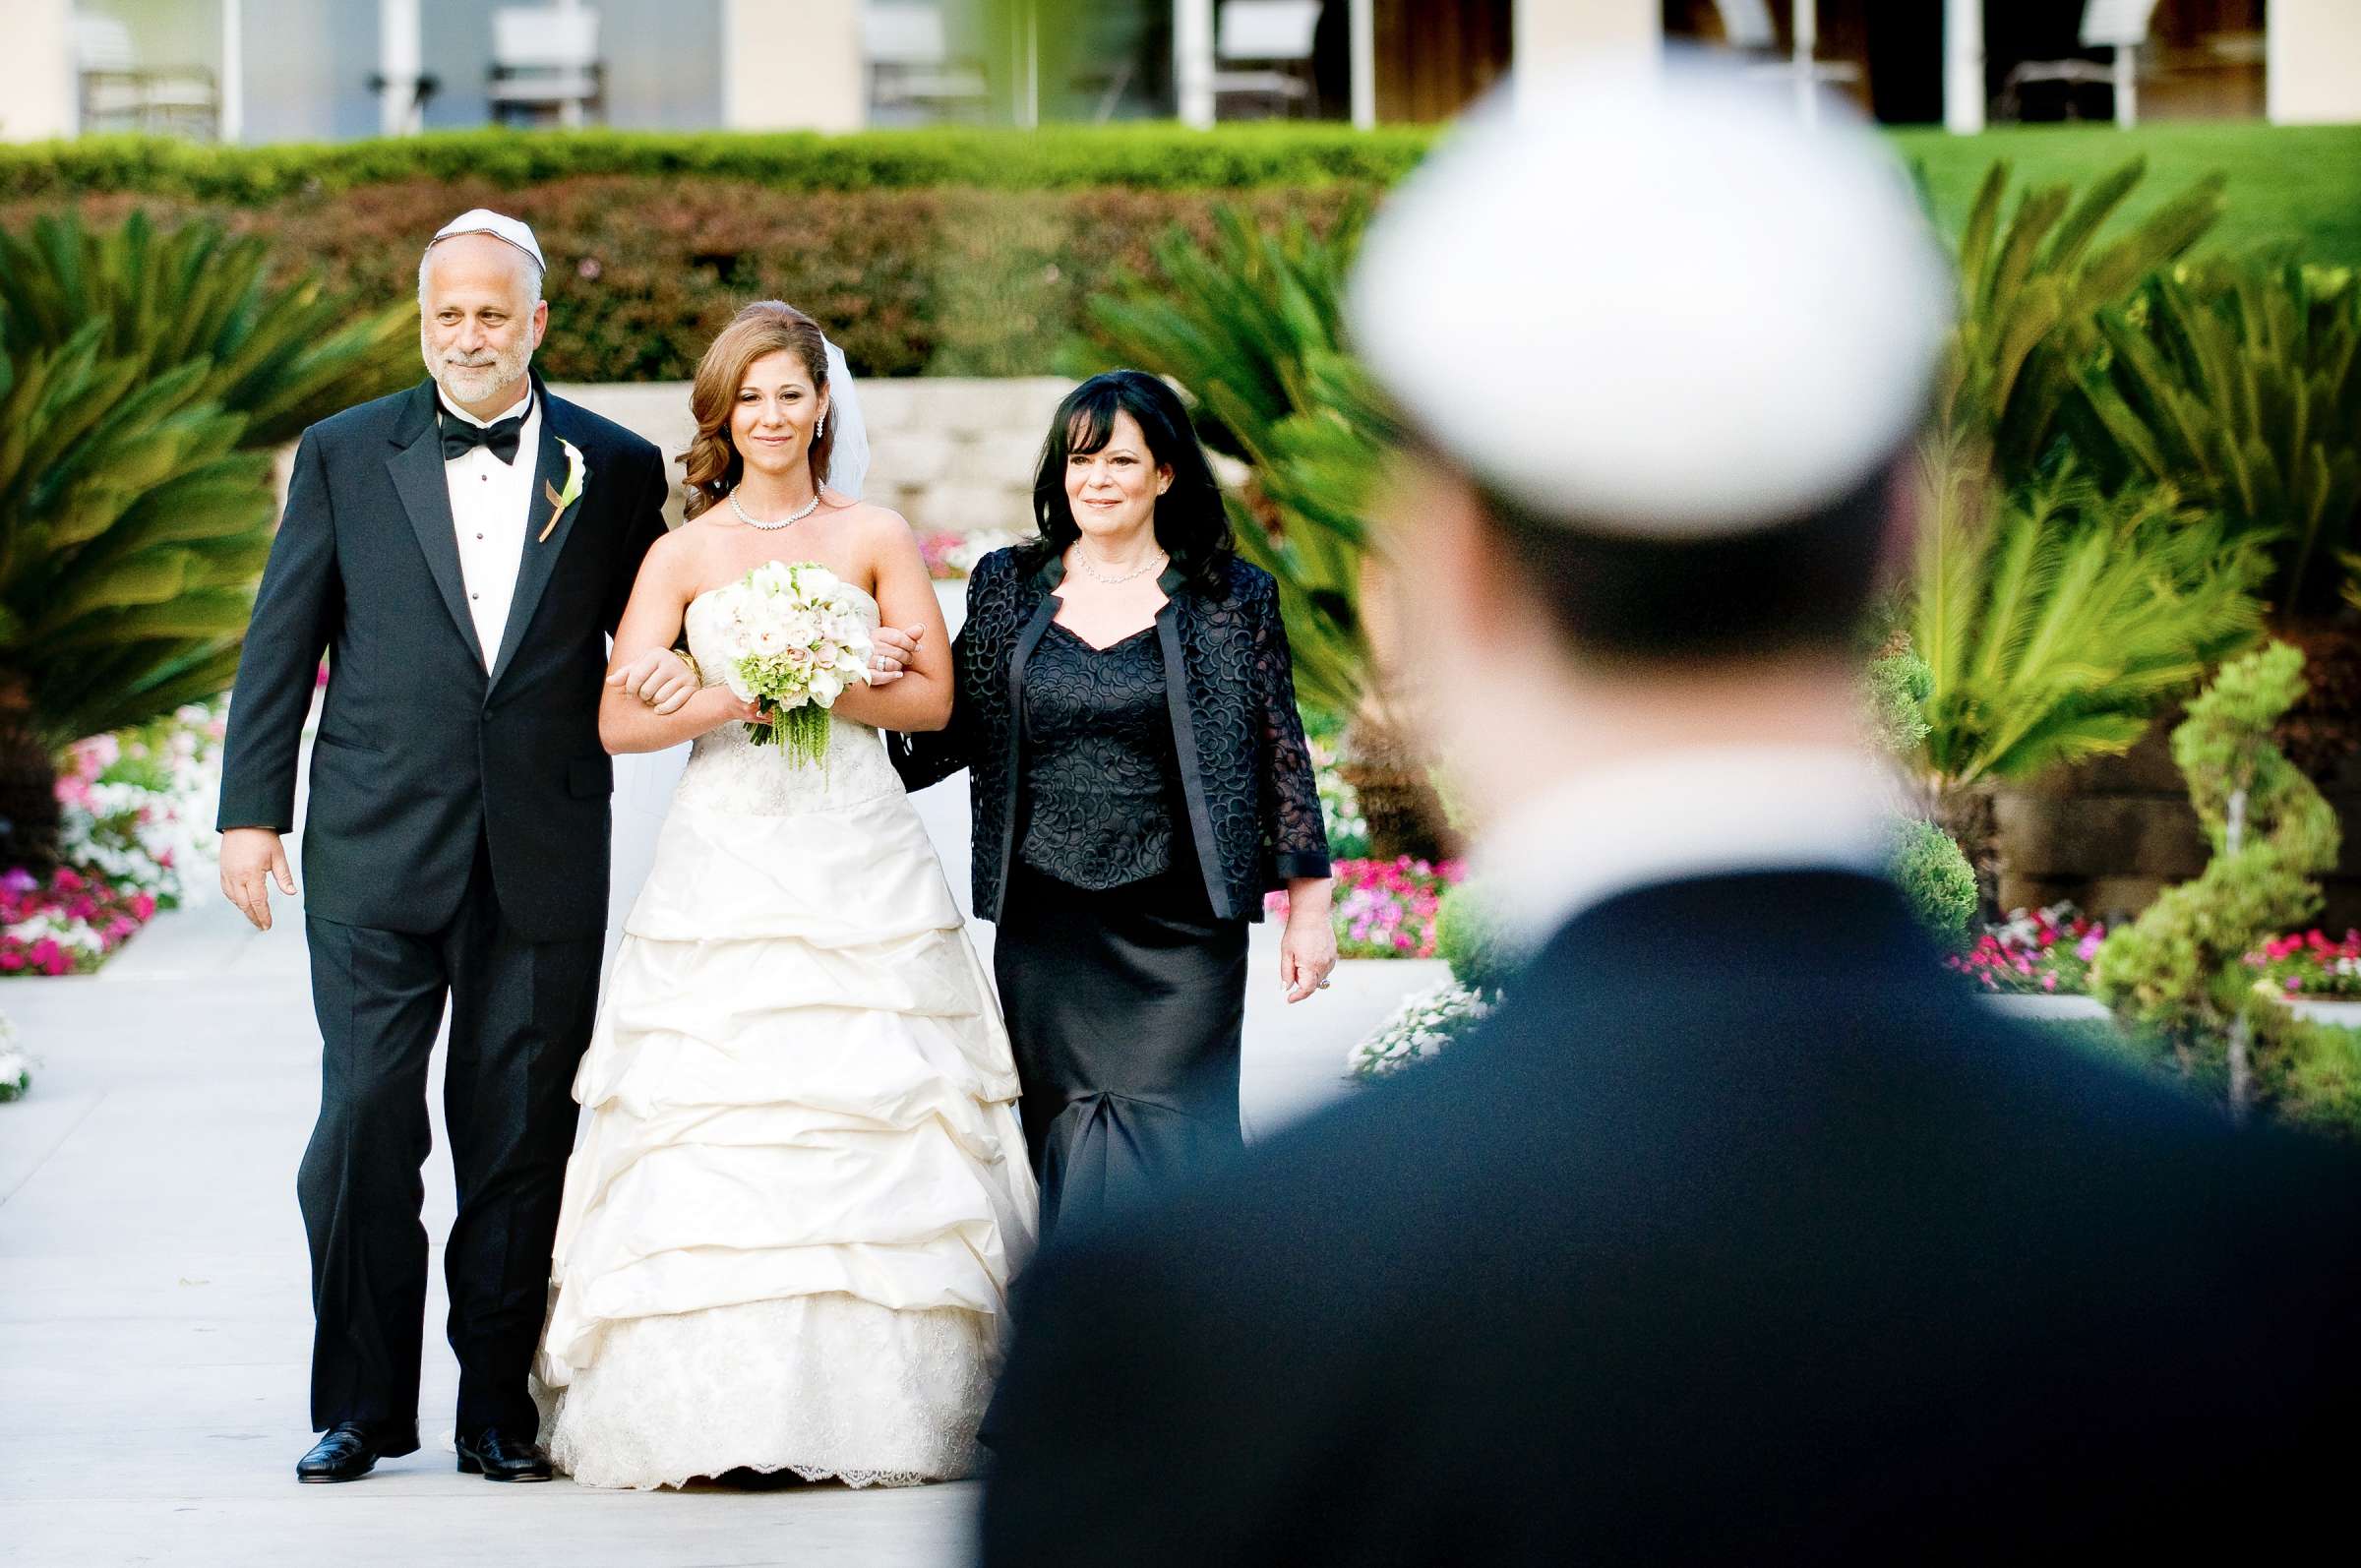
(577, 474)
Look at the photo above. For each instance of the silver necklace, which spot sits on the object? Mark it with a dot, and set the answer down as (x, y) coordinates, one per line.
(1082, 560)
(752, 522)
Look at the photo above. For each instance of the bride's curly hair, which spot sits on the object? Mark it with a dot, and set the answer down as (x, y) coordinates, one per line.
(712, 466)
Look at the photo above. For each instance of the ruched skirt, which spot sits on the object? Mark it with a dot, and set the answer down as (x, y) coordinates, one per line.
(1125, 1010)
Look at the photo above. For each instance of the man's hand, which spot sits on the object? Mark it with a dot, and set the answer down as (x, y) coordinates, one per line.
(660, 678)
(250, 858)
(890, 653)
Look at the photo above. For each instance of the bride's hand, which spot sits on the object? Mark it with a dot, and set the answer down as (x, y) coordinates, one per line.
(659, 678)
(718, 706)
(890, 653)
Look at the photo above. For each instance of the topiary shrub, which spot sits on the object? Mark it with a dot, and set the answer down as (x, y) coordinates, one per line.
(2180, 969)
(1936, 877)
(1468, 938)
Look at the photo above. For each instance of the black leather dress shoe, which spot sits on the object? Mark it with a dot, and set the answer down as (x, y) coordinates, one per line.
(345, 1454)
(496, 1454)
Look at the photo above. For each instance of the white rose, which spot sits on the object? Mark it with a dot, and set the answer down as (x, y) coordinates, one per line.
(826, 686)
(801, 626)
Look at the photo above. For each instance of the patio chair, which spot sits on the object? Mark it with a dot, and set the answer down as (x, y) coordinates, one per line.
(1262, 54)
(910, 64)
(1747, 26)
(545, 60)
(118, 95)
(2119, 26)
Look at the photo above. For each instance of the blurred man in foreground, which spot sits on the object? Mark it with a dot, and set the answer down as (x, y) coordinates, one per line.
(1739, 1234)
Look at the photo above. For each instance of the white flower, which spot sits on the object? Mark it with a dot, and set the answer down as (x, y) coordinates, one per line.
(767, 639)
(826, 686)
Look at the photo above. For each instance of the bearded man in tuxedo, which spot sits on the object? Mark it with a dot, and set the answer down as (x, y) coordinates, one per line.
(460, 551)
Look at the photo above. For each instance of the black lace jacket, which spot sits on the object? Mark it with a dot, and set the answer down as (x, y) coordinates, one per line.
(1244, 769)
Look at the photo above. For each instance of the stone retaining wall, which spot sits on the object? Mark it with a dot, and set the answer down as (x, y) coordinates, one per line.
(2113, 833)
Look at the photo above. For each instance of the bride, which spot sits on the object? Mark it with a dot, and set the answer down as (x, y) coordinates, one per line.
(791, 1219)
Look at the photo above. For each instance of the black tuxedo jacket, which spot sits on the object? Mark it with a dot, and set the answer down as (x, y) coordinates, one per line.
(1739, 1235)
(422, 752)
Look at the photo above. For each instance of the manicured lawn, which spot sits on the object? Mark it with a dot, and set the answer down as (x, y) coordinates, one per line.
(2296, 186)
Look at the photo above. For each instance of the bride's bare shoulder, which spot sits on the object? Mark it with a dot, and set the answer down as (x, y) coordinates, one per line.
(866, 518)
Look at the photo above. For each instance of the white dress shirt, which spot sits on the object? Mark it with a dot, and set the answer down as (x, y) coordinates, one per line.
(1680, 815)
(491, 511)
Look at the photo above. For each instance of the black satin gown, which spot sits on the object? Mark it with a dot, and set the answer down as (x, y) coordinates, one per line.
(1124, 994)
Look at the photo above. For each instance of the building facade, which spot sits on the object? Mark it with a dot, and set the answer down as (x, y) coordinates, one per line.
(260, 70)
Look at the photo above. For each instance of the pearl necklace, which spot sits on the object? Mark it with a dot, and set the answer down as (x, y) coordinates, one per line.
(1082, 560)
(752, 522)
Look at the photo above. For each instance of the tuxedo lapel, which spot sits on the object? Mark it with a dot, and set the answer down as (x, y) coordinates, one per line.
(417, 472)
(542, 541)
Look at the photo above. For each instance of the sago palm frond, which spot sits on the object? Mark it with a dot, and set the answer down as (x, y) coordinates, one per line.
(2056, 625)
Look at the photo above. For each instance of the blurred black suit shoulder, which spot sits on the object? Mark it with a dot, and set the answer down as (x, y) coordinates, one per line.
(1739, 1234)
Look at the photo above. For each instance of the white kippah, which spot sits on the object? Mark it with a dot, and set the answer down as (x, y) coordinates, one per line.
(483, 221)
(1651, 302)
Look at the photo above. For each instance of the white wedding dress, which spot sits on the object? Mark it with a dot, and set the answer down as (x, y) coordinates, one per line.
(793, 1213)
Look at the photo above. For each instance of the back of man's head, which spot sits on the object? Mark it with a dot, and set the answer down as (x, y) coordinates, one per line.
(1674, 341)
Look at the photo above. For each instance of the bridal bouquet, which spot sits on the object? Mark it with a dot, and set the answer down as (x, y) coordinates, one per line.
(796, 640)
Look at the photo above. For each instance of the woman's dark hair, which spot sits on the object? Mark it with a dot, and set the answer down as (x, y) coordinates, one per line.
(1192, 525)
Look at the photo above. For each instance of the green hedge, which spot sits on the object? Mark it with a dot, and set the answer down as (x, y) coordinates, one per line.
(1153, 156)
(644, 271)
(942, 251)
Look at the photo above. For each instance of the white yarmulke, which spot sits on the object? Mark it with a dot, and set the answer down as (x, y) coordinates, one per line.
(1650, 301)
(483, 221)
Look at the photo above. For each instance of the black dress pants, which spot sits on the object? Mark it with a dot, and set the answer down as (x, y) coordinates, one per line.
(520, 1017)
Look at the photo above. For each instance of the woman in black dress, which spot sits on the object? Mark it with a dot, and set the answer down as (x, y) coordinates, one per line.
(1124, 701)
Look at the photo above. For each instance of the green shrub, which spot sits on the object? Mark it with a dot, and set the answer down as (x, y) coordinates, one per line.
(2180, 969)
(1471, 940)
(1140, 157)
(143, 381)
(2242, 387)
(644, 270)
(2030, 290)
(1932, 872)
(2057, 624)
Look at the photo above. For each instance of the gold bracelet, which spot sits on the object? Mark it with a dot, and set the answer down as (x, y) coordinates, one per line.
(694, 674)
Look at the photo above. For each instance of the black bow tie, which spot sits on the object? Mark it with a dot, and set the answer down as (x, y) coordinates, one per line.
(462, 437)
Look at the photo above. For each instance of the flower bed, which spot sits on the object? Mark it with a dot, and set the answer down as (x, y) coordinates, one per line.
(134, 839)
(1385, 909)
(2048, 951)
(2045, 951)
(1421, 1026)
(16, 1072)
(950, 556)
(2311, 965)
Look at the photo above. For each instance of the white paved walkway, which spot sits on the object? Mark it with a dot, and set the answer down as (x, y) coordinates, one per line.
(154, 1317)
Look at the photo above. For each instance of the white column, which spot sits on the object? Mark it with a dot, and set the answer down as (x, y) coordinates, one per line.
(2311, 65)
(1192, 60)
(2127, 84)
(40, 89)
(1363, 32)
(233, 70)
(1964, 66)
(569, 110)
(792, 67)
(1807, 49)
(401, 57)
